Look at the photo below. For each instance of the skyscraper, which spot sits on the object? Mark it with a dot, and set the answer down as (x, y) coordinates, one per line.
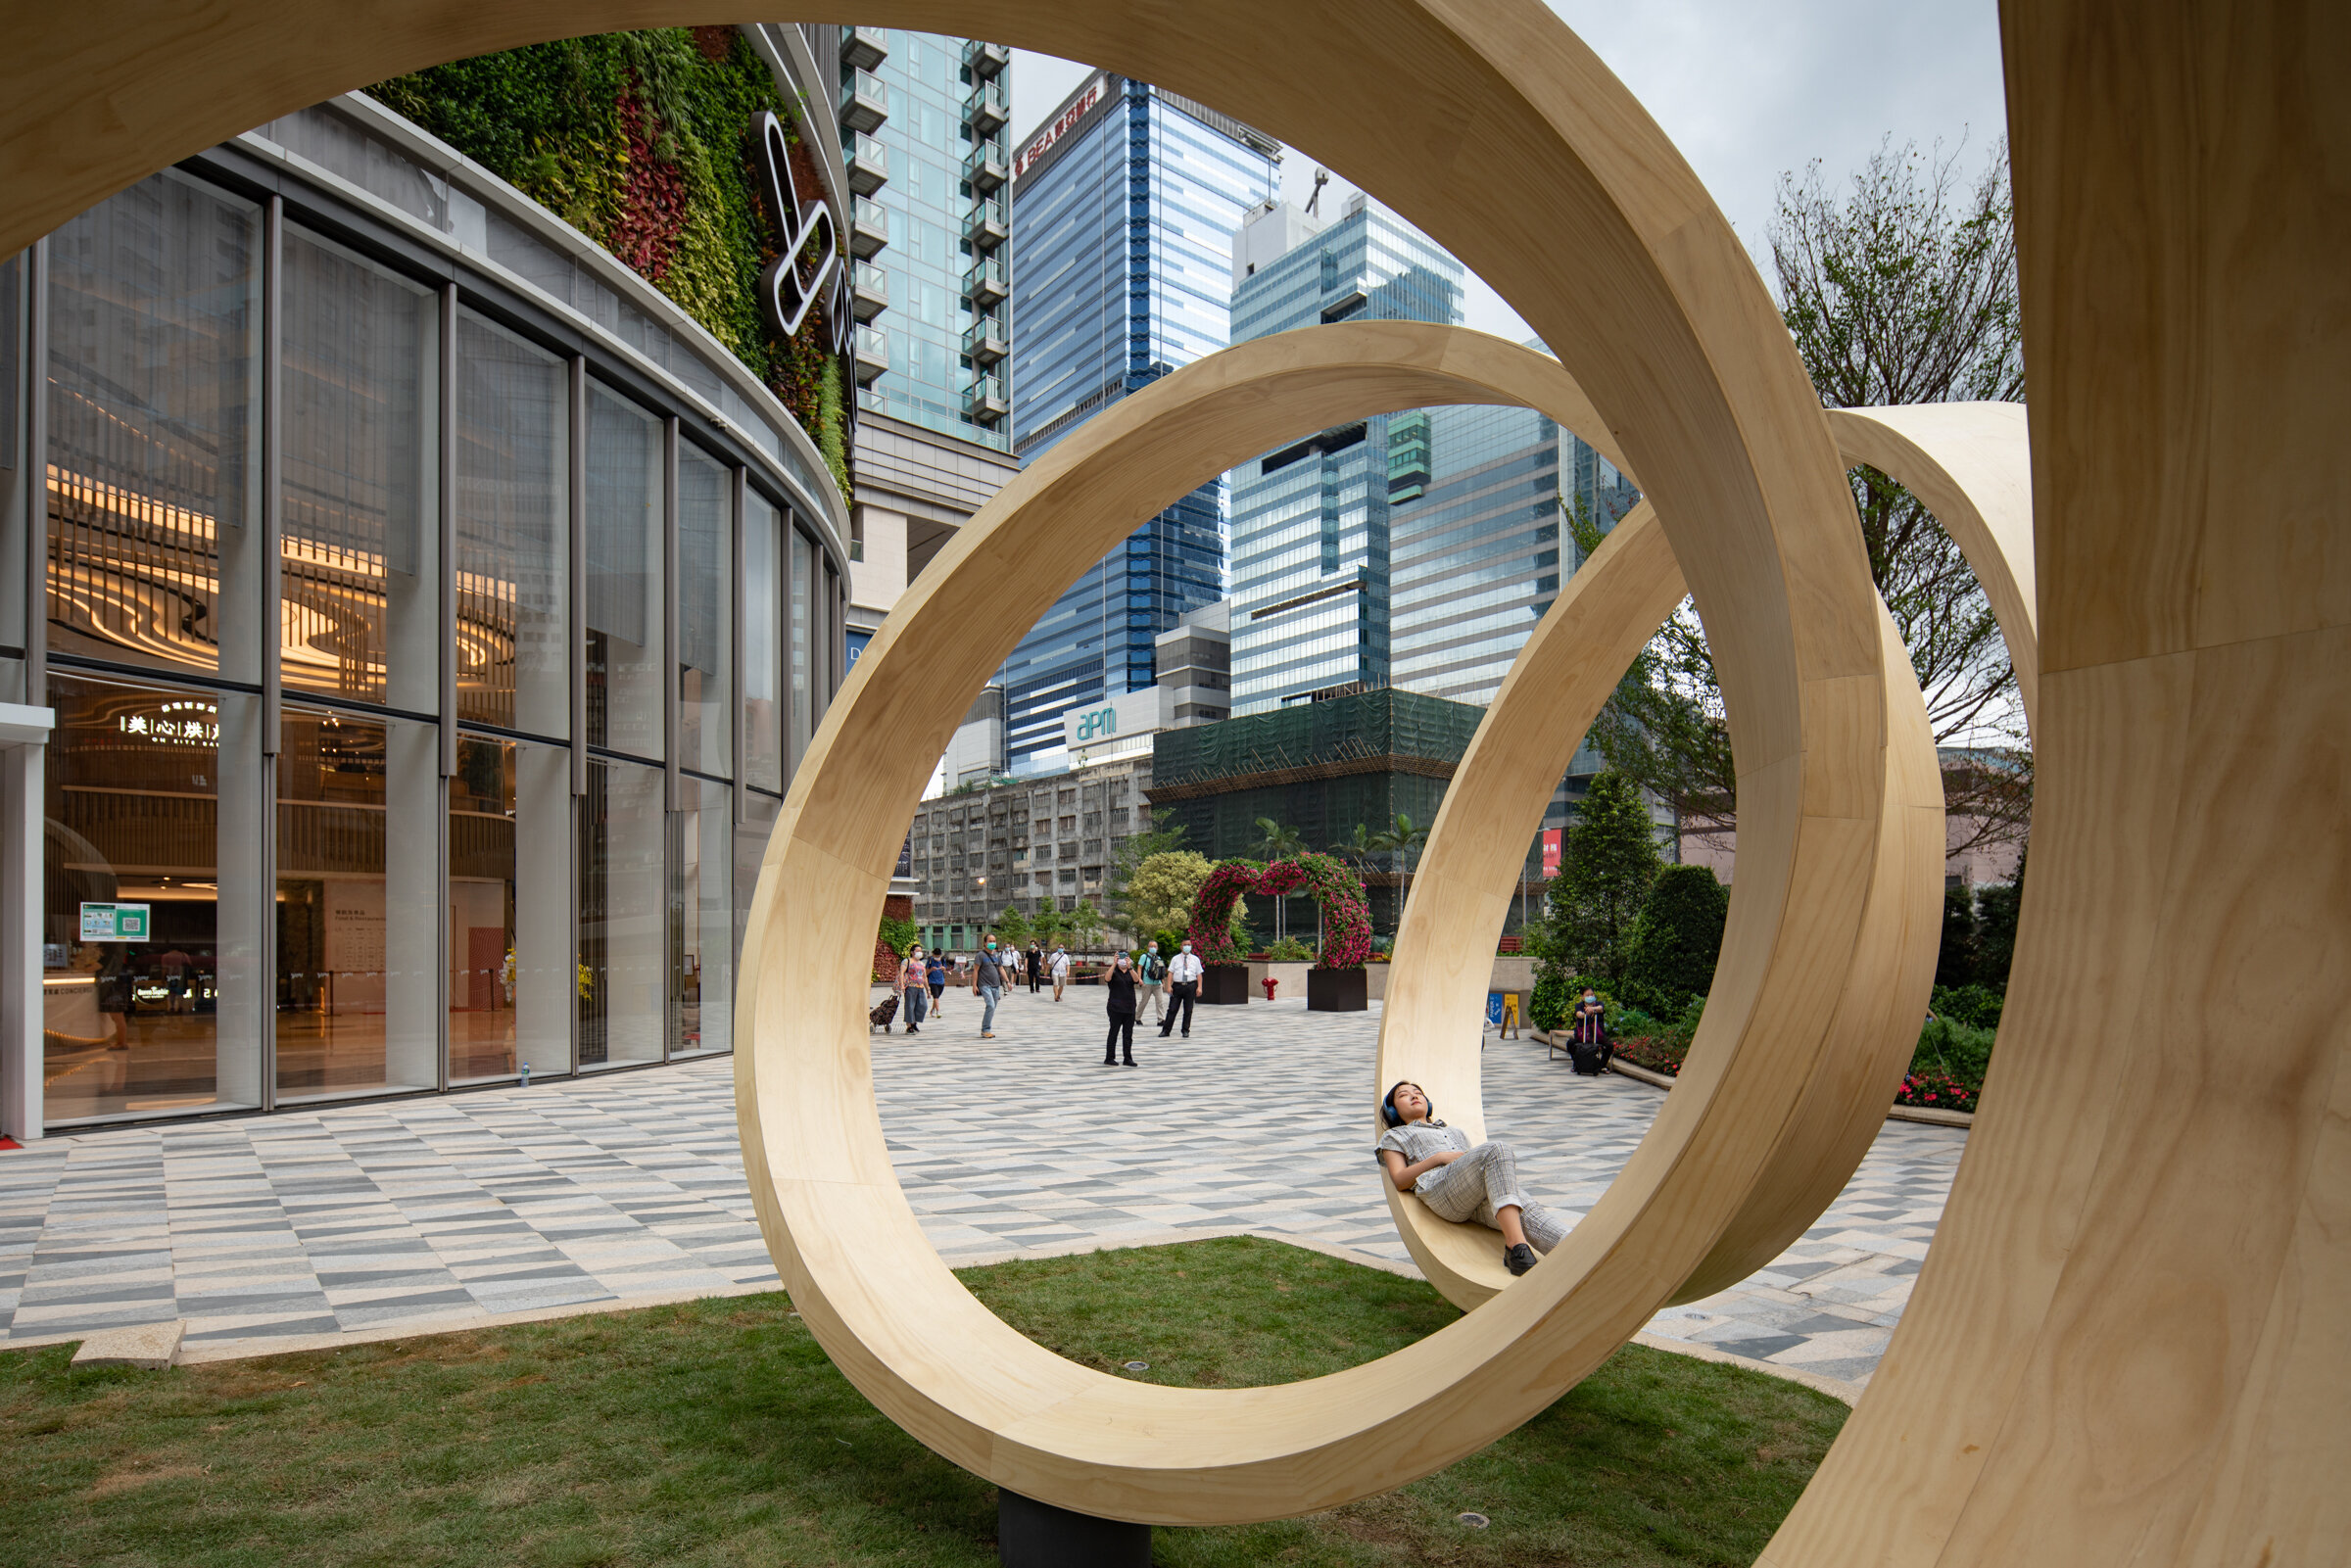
(1125, 202)
(1312, 558)
(922, 132)
(1417, 548)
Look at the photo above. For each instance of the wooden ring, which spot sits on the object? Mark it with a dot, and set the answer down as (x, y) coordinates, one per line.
(848, 1247)
(1969, 463)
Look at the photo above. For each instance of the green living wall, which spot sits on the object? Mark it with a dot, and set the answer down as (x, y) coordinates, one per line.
(638, 140)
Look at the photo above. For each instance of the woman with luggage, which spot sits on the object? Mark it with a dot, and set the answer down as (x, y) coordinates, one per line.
(1588, 1044)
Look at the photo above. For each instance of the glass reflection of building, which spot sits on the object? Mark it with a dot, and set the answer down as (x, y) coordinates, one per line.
(435, 616)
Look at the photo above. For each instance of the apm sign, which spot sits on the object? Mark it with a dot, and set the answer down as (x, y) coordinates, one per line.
(808, 263)
(1095, 725)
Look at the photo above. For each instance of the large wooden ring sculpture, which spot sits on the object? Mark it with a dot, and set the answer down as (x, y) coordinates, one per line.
(1816, 977)
(2127, 1344)
(1970, 461)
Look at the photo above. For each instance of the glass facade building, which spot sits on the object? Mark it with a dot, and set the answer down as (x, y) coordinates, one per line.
(1124, 206)
(932, 167)
(1312, 556)
(431, 619)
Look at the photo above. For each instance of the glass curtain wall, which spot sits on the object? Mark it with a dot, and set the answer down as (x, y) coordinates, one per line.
(155, 363)
(514, 653)
(151, 901)
(15, 556)
(624, 576)
(702, 906)
(358, 893)
(623, 915)
(511, 972)
(341, 898)
(764, 716)
(803, 667)
(359, 559)
(706, 600)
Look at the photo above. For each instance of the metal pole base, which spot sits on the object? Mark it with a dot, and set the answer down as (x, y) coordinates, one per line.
(1036, 1535)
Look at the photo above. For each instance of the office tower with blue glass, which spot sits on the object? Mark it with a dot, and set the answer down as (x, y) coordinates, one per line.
(1124, 206)
(923, 123)
(1313, 558)
(1416, 549)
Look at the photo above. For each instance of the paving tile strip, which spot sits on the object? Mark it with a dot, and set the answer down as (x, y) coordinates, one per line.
(423, 1215)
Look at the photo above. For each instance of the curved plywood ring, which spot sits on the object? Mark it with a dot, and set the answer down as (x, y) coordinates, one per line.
(1611, 606)
(1970, 464)
(883, 1303)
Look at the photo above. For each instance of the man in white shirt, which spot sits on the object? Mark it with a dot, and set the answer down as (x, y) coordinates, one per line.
(1061, 970)
(1183, 989)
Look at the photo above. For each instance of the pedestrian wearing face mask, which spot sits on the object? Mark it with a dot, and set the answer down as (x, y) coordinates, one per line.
(1151, 975)
(1588, 1044)
(914, 986)
(1183, 989)
(1120, 983)
(987, 984)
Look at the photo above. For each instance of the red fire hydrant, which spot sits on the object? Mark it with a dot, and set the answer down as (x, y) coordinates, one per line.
(1268, 982)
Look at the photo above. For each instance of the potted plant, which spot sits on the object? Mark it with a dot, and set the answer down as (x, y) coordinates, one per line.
(1224, 975)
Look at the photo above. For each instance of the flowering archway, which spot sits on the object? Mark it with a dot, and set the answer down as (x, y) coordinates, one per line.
(1332, 885)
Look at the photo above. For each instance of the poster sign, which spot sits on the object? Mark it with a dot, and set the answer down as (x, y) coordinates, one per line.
(1551, 850)
(114, 922)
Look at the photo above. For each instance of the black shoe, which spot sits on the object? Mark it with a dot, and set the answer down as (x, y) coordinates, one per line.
(1109, 1060)
(1130, 1061)
(1518, 1260)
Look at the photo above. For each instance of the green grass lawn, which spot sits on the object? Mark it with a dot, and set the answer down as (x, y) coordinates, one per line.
(716, 1432)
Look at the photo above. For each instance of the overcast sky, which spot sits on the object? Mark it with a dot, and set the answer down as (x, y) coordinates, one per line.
(1746, 91)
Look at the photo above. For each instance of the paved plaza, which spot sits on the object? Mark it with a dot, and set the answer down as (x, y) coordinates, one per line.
(433, 1213)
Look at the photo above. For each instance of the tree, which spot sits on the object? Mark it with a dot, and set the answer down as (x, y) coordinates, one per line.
(1403, 838)
(1011, 927)
(1609, 860)
(1955, 961)
(1356, 852)
(1159, 895)
(1128, 857)
(1274, 841)
(1048, 923)
(1675, 941)
(1996, 931)
(1903, 291)
(1086, 925)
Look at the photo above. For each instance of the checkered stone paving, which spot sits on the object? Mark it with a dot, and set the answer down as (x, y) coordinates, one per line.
(432, 1213)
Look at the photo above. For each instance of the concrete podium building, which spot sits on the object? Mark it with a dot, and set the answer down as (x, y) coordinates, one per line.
(410, 621)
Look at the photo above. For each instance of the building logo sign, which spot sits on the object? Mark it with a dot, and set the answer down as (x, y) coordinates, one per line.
(1063, 123)
(807, 265)
(1098, 724)
(113, 922)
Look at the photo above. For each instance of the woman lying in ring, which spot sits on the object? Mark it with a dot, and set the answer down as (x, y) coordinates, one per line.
(1457, 1182)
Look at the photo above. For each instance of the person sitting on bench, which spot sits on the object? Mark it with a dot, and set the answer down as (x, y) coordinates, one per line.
(1426, 1158)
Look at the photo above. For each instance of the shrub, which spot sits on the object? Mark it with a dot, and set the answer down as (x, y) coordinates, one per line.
(1661, 1048)
(1947, 1046)
(1955, 961)
(1676, 939)
(1975, 1006)
(1937, 1091)
(1996, 931)
(1289, 950)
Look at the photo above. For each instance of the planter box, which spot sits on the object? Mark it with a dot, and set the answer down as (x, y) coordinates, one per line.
(1224, 985)
(1337, 990)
